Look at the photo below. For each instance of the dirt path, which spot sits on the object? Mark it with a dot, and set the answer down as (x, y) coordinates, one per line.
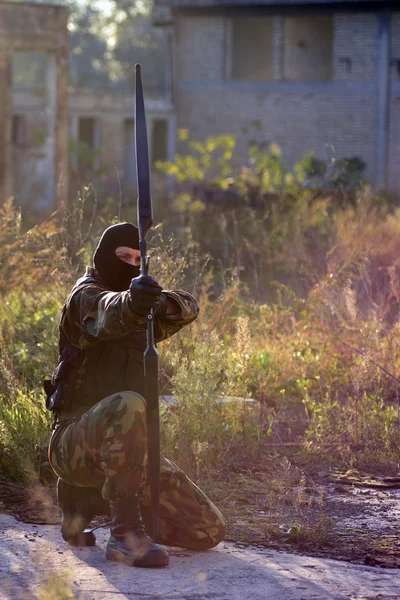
(343, 516)
(36, 563)
(350, 518)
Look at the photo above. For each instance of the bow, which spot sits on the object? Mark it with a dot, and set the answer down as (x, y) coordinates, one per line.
(145, 221)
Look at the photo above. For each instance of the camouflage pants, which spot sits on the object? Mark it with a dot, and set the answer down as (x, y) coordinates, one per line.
(106, 448)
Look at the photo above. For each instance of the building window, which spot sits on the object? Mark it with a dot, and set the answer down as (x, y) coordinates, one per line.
(87, 132)
(129, 152)
(29, 70)
(18, 130)
(252, 49)
(89, 142)
(308, 48)
(159, 140)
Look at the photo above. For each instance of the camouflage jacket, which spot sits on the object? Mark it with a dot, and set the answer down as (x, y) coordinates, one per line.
(111, 339)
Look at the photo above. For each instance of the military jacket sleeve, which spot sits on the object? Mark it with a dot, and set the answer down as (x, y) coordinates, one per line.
(174, 322)
(93, 314)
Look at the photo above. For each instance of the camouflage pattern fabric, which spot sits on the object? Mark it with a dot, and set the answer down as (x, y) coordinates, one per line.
(188, 518)
(101, 437)
(112, 339)
(107, 448)
(93, 313)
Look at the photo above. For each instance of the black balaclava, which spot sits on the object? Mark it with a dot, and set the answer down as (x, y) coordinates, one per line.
(115, 272)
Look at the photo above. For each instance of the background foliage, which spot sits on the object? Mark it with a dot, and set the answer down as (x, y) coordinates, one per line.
(297, 347)
(107, 37)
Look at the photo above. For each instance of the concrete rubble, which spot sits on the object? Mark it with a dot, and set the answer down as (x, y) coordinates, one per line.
(34, 560)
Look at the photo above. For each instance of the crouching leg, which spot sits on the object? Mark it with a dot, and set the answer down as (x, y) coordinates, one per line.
(188, 518)
(106, 448)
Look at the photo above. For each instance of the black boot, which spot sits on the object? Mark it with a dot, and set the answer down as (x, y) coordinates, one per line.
(79, 506)
(129, 542)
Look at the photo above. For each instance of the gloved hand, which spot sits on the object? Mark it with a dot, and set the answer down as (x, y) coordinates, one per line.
(145, 294)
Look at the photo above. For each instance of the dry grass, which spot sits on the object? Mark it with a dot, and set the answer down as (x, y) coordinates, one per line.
(273, 504)
(322, 367)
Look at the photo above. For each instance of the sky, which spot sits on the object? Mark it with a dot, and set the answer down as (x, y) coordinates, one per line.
(104, 5)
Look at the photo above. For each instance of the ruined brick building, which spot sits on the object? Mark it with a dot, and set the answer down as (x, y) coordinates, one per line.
(104, 121)
(33, 103)
(42, 123)
(312, 75)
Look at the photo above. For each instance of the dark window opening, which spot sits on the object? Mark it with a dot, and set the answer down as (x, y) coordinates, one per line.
(87, 131)
(252, 48)
(18, 130)
(308, 48)
(159, 142)
(88, 146)
(395, 63)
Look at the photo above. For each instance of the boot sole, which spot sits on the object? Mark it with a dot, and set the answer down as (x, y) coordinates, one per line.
(84, 539)
(118, 556)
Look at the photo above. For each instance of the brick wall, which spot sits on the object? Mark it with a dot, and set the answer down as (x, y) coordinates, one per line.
(32, 26)
(356, 38)
(394, 108)
(29, 161)
(332, 118)
(201, 48)
(328, 122)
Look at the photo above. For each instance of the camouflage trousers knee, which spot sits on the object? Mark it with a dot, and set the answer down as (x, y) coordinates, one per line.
(106, 448)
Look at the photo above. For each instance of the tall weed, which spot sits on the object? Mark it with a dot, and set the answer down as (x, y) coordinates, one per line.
(298, 335)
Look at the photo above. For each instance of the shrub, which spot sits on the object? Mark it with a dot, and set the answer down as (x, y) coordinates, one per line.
(24, 428)
(299, 298)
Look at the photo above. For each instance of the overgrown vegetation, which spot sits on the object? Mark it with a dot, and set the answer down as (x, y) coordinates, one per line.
(297, 347)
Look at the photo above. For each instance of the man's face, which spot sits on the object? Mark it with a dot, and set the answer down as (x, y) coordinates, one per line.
(128, 255)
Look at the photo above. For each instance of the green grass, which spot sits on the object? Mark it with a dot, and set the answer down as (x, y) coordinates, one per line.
(290, 316)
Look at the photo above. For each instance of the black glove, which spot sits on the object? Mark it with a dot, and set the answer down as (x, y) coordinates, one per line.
(145, 294)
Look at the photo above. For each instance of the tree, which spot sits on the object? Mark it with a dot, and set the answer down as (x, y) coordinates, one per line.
(106, 44)
(89, 53)
(107, 38)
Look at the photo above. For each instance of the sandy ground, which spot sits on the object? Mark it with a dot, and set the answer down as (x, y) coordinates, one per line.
(34, 559)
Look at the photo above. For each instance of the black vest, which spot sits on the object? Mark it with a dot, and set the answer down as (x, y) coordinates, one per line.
(106, 368)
